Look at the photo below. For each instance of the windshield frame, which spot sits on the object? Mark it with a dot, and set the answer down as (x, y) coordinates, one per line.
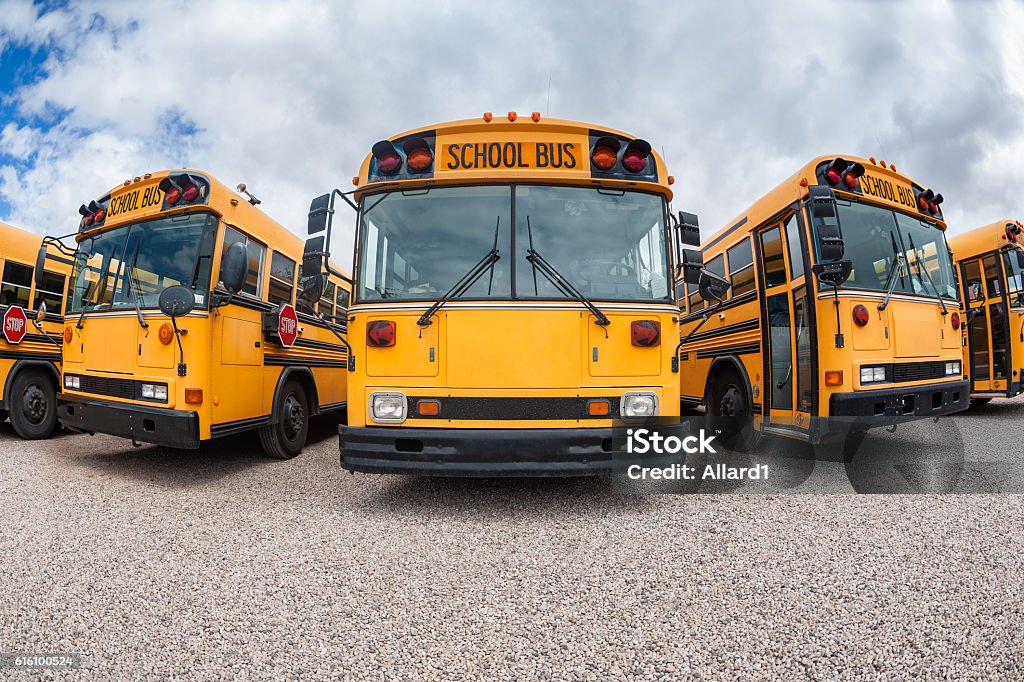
(908, 269)
(370, 198)
(119, 277)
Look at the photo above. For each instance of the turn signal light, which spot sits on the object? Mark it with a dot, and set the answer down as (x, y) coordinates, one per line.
(194, 396)
(861, 316)
(67, 334)
(598, 408)
(428, 408)
(418, 155)
(834, 377)
(166, 334)
(605, 153)
(645, 333)
(380, 334)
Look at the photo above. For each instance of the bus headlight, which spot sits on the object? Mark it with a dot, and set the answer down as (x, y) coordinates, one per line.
(637, 404)
(953, 368)
(153, 392)
(872, 375)
(388, 407)
(72, 382)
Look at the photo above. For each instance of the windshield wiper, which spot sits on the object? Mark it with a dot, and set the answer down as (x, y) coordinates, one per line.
(136, 292)
(561, 283)
(890, 280)
(101, 287)
(924, 271)
(466, 281)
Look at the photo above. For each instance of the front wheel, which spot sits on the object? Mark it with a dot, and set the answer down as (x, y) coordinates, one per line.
(287, 437)
(33, 405)
(731, 413)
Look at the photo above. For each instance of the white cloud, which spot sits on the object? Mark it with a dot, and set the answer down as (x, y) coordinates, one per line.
(289, 97)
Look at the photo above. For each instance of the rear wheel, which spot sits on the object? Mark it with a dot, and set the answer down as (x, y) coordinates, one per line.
(33, 404)
(287, 437)
(731, 413)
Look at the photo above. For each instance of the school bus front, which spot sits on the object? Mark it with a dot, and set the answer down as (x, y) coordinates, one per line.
(182, 324)
(512, 299)
(842, 312)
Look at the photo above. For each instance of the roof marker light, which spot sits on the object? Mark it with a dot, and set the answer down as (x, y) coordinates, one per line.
(389, 161)
(634, 159)
(418, 155)
(605, 153)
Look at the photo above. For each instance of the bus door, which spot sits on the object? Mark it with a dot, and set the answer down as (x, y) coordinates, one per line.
(788, 394)
(988, 329)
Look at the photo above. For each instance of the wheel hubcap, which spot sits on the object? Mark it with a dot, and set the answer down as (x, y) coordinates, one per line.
(33, 404)
(294, 417)
(729, 407)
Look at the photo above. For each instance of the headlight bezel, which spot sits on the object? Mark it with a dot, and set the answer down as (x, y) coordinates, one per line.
(402, 402)
(953, 368)
(630, 397)
(73, 381)
(152, 392)
(878, 374)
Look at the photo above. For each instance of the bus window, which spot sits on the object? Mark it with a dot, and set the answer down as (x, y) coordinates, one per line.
(282, 278)
(804, 373)
(741, 268)
(326, 303)
(342, 299)
(693, 299)
(52, 292)
(17, 284)
(993, 280)
(774, 261)
(1014, 278)
(927, 257)
(781, 360)
(972, 276)
(254, 279)
(796, 257)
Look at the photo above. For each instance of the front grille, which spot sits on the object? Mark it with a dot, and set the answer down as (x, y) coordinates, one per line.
(116, 388)
(918, 371)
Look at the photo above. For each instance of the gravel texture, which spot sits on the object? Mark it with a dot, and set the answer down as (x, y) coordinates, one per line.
(223, 564)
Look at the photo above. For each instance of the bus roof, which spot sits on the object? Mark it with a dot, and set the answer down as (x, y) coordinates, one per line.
(513, 148)
(794, 188)
(984, 239)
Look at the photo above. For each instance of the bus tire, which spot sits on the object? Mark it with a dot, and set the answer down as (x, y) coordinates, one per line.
(979, 402)
(286, 438)
(33, 404)
(731, 413)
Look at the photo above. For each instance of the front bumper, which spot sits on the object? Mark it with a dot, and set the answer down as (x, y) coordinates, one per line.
(156, 425)
(494, 452)
(889, 404)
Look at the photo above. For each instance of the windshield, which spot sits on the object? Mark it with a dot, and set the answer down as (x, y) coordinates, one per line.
(132, 264)
(1014, 277)
(873, 236)
(415, 245)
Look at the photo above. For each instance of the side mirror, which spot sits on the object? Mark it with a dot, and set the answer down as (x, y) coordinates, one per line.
(689, 230)
(826, 224)
(312, 282)
(319, 211)
(833, 274)
(234, 265)
(177, 301)
(41, 313)
(40, 266)
(692, 264)
(712, 287)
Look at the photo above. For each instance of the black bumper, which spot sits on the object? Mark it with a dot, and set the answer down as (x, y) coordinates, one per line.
(493, 452)
(889, 404)
(156, 425)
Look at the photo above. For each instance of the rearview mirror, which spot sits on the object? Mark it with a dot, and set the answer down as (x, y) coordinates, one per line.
(712, 287)
(177, 301)
(319, 211)
(833, 274)
(312, 282)
(692, 264)
(40, 266)
(689, 230)
(41, 313)
(234, 265)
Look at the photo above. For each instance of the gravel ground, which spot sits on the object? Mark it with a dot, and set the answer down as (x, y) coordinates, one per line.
(220, 563)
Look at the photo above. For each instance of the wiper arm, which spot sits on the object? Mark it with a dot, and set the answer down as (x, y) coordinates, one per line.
(564, 285)
(890, 280)
(924, 271)
(465, 282)
(133, 282)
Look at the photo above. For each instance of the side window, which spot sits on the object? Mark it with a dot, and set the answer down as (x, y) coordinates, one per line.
(16, 285)
(325, 304)
(254, 279)
(693, 299)
(972, 276)
(993, 280)
(796, 253)
(52, 292)
(741, 268)
(774, 261)
(282, 278)
(342, 300)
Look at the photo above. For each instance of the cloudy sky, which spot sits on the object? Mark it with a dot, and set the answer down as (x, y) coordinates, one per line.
(289, 96)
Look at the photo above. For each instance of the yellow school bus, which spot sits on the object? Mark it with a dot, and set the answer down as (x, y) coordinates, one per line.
(30, 339)
(182, 323)
(840, 314)
(991, 262)
(512, 300)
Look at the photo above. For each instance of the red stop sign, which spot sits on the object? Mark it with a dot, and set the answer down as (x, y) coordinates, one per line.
(287, 325)
(15, 324)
